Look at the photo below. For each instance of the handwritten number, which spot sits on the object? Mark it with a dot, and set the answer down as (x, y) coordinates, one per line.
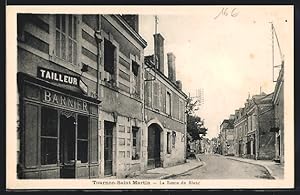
(224, 12)
(234, 14)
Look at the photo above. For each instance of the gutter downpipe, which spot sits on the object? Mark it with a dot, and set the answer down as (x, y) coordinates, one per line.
(98, 39)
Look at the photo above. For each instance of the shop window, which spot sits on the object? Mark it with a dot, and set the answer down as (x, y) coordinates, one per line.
(135, 143)
(82, 139)
(49, 136)
(66, 41)
(168, 142)
(168, 103)
(109, 57)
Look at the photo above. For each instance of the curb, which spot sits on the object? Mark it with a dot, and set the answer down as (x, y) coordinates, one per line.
(267, 168)
(173, 175)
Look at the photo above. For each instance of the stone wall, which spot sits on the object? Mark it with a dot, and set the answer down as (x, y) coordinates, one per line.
(266, 141)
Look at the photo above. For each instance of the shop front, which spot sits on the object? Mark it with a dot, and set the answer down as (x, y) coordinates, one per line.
(58, 131)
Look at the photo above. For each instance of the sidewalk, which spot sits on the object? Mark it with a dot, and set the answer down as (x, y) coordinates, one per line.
(167, 172)
(275, 169)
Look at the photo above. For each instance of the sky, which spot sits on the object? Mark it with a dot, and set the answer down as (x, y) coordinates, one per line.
(228, 55)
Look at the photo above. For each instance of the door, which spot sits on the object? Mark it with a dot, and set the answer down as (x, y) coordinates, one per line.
(278, 145)
(67, 146)
(108, 147)
(153, 147)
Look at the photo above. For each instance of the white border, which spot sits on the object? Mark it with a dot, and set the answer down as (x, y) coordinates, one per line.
(11, 97)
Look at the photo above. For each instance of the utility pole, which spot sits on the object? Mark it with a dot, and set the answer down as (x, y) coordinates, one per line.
(156, 23)
(155, 44)
(280, 53)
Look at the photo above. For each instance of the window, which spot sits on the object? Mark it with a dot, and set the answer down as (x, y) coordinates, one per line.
(136, 83)
(173, 139)
(66, 41)
(253, 121)
(156, 95)
(82, 139)
(168, 103)
(168, 142)
(250, 123)
(49, 136)
(148, 89)
(181, 110)
(109, 55)
(135, 143)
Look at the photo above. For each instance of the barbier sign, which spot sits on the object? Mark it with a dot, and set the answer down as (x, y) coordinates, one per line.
(59, 77)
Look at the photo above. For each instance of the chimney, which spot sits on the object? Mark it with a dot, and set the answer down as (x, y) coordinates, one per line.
(179, 84)
(171, 67)
(236, 113)
(159, 51)
(132, 20)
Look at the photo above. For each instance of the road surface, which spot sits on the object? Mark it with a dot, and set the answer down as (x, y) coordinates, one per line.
(219, 167)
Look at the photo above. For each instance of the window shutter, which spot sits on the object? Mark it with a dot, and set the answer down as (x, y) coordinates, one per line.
(31, 128)
(155, 95)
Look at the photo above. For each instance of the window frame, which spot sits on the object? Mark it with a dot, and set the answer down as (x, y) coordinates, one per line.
(168, 94)
(41, 137)
(135, 88)
(74, 38)
(156, 94)
(137, 146)
(86, 140)
(113, 71)
(173, 139)
(169, 144)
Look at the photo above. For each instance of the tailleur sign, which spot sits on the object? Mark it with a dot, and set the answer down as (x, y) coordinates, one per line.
(60, 77)
(55, 76)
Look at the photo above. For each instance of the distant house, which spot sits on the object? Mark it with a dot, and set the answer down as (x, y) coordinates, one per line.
(227, 136)
(260, 141)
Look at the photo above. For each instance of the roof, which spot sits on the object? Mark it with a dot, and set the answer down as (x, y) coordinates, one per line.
(228, 123)
(129, 29)
(149, 62)
(263, 99)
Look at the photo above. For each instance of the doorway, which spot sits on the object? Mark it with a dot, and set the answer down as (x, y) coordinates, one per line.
(154, 146)
(67, 146)
(240, 149)
(108, 147)
(278, 145)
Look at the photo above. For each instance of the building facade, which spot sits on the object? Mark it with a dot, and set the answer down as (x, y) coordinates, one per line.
(227, 137)
(260, 141)
(253, 137)
(165, 116)
(278, 127)
(240, 128)
(82, 110)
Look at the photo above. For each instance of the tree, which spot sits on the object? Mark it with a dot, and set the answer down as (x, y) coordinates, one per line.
(195, 125)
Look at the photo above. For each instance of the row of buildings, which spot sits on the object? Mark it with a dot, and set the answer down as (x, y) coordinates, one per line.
(256, 130)
(201, 146)
(91, 105)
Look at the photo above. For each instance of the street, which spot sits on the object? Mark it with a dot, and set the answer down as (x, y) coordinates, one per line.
(219, 167)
